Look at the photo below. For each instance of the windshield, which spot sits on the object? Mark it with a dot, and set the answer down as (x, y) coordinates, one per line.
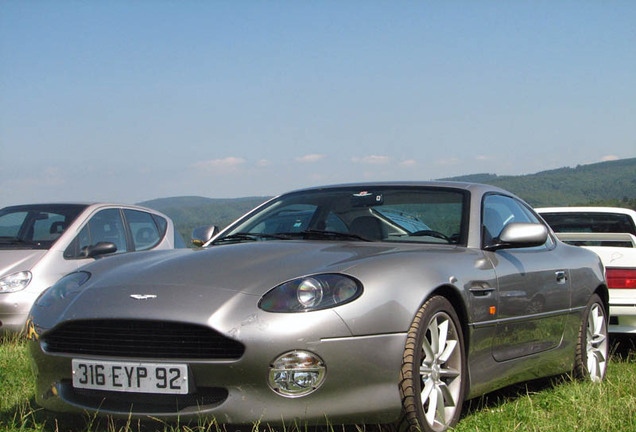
(382, 213)
(35, 226)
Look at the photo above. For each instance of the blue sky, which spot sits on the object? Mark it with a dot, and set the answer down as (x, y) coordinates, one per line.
(135, 100)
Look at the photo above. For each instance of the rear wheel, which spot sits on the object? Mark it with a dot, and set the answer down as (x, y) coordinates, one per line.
(433, 369)
(592, 347)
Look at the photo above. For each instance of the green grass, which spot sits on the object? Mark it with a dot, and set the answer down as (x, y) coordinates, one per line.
(548, 405)
(560, 405)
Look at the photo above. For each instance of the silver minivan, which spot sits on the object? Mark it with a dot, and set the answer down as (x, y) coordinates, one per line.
(40, 243)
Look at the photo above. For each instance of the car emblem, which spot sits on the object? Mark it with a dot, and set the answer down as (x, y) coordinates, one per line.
(143, 296)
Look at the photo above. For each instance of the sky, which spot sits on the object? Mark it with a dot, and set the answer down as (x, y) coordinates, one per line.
(130, 101)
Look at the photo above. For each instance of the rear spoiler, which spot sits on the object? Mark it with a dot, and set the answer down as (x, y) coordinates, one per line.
(598, 237)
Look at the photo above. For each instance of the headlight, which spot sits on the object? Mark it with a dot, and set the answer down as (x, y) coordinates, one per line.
(63, 288)
(15, 282)
(311, 293)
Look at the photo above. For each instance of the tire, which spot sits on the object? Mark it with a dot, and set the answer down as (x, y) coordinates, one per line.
(433, 375)
(593, 345)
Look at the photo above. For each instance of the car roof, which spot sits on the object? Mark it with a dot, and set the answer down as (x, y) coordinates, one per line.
(83, 205)
(477, 187)
(589, 209)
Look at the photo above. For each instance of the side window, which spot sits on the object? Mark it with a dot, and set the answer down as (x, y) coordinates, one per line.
(104, 226)
(499, 211)
(143, 228)
(161, 223)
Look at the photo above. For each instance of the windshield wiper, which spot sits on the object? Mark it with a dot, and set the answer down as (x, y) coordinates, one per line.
(15, 240)
(246, 236)
(331, 235)
(311, 234)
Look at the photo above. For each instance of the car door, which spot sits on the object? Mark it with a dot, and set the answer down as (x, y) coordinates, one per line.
(104, 226)
(533, 289)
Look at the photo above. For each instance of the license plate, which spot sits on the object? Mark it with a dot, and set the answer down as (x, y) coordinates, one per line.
(136, 377)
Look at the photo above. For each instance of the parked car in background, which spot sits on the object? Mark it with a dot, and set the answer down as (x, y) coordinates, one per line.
(365, 303)
(39, 243)
(611, 233)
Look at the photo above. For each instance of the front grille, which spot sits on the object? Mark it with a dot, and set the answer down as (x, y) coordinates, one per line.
(141, 339)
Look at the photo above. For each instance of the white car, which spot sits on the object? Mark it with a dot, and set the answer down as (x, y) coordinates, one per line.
(611, 233)
(40, 243)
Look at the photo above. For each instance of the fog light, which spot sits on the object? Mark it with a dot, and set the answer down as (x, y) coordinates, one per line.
(296, 373)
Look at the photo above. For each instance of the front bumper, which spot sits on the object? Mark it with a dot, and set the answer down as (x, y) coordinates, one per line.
(361, 386)
(14, 310)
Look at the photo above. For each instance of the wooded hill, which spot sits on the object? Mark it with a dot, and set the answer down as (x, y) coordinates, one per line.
(613, 183)
(189, 212)
(607, 183)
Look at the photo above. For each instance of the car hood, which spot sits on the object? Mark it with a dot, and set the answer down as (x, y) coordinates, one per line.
(16, 260)
(251, 268)
(164, 284)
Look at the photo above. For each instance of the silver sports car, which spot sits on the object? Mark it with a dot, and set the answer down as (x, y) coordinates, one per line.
(385, 303)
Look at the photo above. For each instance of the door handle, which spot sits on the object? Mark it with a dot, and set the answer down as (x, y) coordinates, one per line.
(561, 276)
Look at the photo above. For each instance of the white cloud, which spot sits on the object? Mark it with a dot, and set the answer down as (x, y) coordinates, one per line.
(609, 158)
(263, 163)
(372, 160)
(220, 166)
(483, 157)
(228, 165)
(310, 158)
(408, 163)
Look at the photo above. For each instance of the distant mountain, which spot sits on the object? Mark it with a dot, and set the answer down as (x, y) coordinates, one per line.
(613, 181)
(474, 178)
(189, 212)
(178, 202)
(605, 183)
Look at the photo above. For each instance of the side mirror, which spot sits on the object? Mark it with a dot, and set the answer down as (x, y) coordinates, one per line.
(101, 248)
(201, 235)
(520, 235)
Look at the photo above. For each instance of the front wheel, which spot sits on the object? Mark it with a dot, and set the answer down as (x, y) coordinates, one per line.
(433, 369)
(592, 347)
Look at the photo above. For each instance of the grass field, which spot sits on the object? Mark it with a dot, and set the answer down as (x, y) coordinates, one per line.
(554, 405)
